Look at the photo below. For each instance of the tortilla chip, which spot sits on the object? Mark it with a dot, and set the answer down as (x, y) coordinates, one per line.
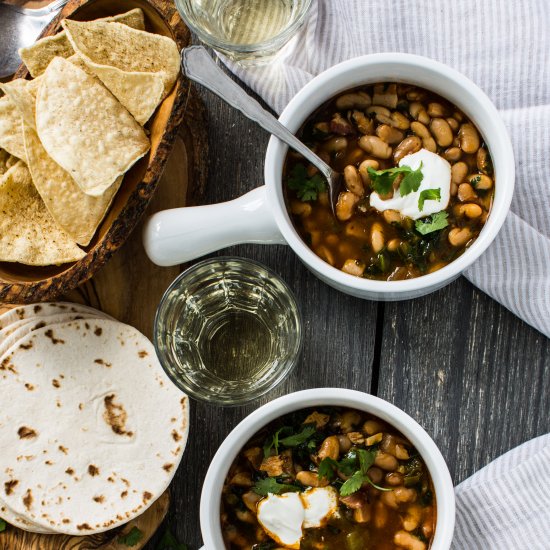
(85, 129)
(139, 68)
(28, 234)
(38, 56)
(4, 156)
(11, 136)
(23, 95)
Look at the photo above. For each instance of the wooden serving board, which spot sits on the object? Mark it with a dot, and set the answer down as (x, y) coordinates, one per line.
(129, 288)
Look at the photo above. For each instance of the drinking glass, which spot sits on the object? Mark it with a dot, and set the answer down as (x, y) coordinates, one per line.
(227, 330)
(250, 31)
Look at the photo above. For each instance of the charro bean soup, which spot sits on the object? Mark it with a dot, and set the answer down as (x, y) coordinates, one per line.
(418, 182)
(328, 478)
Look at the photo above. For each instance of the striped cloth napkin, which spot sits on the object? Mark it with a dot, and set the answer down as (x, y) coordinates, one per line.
(504, 47)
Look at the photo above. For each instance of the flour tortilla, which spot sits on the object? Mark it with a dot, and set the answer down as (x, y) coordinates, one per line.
(85, 129)
(38, 56)
(11, 135)
(139, 68)
(28, 233)
(31, 312)
(14, 332)
(105, 428)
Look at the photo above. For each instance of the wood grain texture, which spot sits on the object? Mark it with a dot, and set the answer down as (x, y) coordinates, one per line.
(470, 372)
(147, 523)
(339, 330)
(20, 284)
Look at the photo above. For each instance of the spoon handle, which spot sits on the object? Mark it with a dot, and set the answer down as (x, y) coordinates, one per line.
(200, 67)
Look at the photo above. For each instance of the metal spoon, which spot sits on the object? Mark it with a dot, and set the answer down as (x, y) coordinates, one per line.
(20, 27)
(199, 66)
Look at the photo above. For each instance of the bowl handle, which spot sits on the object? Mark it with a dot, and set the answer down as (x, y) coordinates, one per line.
(179, 235)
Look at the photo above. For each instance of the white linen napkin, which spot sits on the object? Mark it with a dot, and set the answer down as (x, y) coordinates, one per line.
(504, 47)
(506, 505)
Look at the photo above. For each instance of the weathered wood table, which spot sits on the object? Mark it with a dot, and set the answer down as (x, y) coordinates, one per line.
(471, 373)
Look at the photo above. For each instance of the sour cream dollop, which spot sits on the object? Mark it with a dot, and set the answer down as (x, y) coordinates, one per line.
(436, 173)
(283, 517)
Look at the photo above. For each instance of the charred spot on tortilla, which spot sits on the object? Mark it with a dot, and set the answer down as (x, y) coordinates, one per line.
(29, 387)
(48, 463)
(98, 331)
(26, 433)
(99, 499)
(64, 450)
(9, 486)
(42, 324)
(142, 354)
(66, 520)
(50, 335)
(115, 416)
(27, 499)
(69, 471)
(37, 308)
(83, 527)
(176, 436)
(167, 467)
(80, 406)
(93, 470)
(147, 496)
(103, 362)
(124, 494)
(87, 325)
(55, 383)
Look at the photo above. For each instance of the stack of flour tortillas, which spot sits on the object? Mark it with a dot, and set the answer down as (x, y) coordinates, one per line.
(92, 430)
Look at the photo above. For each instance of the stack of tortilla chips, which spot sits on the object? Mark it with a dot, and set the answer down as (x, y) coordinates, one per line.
(68, 136)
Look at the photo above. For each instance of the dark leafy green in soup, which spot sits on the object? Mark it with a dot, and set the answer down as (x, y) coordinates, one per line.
(364, 134)
(381, 493)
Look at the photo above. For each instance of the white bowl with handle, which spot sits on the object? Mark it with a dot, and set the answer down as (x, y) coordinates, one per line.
(183, 234)
(210, 504)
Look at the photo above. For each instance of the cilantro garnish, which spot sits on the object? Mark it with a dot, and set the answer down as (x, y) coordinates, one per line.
(270, 485)
(355, 482)
(3, 525)
(169, 542)
(327, 468)
(432, 223)
(299, 438)
(307, 189)
(382, 180)
(428, 194)
(131, 538)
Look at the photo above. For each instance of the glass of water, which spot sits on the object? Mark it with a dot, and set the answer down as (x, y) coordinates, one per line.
(244, 30)
(228, 330)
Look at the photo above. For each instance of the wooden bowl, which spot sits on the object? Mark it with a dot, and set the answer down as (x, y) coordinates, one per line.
(24, 284)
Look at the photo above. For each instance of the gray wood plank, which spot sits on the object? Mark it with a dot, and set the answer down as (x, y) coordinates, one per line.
(339, 331)
(475, 376)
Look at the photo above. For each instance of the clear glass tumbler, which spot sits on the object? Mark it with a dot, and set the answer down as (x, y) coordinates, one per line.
(250, 31)
(228, 330)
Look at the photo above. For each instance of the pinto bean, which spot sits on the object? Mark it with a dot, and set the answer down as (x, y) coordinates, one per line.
(354, 100)
(459, 237)
(311, 479)
(380, 514)
(335, 144)
(412, 517)
(345, 443)
(452, 154)
(480, 181)
(377, 237)
(330, 448)
(353, 180)
(408, 541)
(409, 145)
(389, 134)
(466, 192)
(345, 205)
(417, 111)
(374, 146)
(441, 131)
(386, 461)
(364, 124)
(453, 123)
(436, 110)
(392, 216)
(364, 169)
(386, 95)
(483, 161)
(459, 171)
(400, 121)
(468, 138)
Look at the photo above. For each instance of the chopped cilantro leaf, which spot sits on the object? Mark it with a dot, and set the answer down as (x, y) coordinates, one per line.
(307, 189)
(432, 223)
(299, 438)
(428, 195)
(366, 460)
(353, 484)
(382, 180)
(348, 465)
(327, 468)
(131, 538)
(271, 485)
